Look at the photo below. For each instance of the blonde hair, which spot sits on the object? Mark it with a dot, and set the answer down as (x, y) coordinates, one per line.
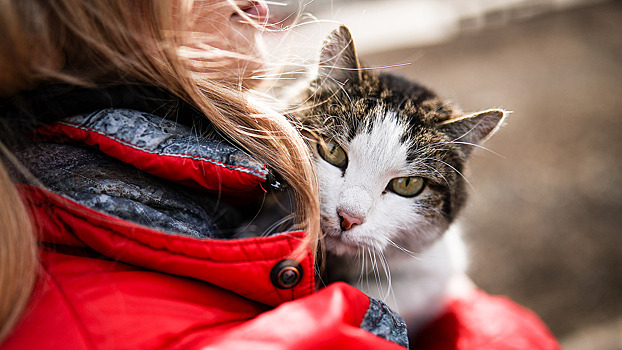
(103, 42)
(18, 255)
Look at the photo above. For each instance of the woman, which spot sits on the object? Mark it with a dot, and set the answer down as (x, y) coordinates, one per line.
(130, 159)
(123, 174)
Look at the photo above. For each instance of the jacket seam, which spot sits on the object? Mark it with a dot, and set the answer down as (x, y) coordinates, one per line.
(379, 318)
(259, 173)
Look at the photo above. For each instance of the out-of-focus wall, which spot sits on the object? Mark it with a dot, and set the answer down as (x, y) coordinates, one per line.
(381, 25)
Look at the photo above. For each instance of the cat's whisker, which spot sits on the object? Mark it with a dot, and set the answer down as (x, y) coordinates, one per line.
(387, 272)
(454, 169)
(476, 145)
(250, 222)
(278, 225)
(437, 172)
(361, 256)
(336, 82)
(397, 65)
(364, 275)
(318, 274)
(312, 20)
(408, 252)
(304, 107)
(278, 75)
(379, 261)
(465, 134)
(372, 266)
(377, 275)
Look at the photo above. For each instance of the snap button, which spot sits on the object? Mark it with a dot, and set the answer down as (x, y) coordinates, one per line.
(286, 274)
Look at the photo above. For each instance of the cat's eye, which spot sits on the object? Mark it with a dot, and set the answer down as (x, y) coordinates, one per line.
(407, 186)
(331, 152)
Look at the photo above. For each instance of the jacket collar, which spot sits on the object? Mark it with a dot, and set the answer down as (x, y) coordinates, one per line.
(244, 266)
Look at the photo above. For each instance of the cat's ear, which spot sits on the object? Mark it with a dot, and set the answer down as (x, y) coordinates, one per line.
(339, 63)
(473, 129)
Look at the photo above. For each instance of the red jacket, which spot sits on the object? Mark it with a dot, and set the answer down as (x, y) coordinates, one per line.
(107, 283)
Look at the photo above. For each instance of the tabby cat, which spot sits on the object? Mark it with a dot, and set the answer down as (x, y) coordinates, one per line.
(390, 157)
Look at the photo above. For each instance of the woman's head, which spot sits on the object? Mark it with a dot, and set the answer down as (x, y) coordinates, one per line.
(233, 28)
(91, 42)
(204, 51)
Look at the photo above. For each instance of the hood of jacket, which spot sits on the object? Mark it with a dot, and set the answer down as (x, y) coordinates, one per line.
(168, 211)
(135, 187)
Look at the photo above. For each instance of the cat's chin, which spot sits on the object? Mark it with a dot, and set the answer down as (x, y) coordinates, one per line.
(342, 247)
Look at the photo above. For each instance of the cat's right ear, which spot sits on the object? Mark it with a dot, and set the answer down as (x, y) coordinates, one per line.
(473, 129)
(339, 63)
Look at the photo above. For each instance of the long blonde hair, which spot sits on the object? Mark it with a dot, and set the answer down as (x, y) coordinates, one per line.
(110, 42)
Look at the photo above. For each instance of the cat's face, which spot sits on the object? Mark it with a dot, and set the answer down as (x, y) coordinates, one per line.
(372, 193)
(389, 155)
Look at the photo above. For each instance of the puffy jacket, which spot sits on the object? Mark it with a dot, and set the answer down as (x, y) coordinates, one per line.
(136, 254)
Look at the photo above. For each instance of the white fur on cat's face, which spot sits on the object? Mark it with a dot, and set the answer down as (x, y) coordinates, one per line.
(375, 157)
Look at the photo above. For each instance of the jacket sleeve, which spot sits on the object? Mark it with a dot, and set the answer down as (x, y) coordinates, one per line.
(337, 317)
(482, 321)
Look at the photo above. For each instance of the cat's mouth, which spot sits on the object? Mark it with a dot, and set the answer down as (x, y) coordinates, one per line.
(340, 244)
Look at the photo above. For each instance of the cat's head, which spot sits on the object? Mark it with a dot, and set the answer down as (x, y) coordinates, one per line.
(390, 154)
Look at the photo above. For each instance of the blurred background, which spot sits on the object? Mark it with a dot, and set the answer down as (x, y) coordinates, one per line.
(544, 219)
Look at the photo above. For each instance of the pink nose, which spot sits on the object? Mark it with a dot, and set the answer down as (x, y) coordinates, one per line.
(348, 220)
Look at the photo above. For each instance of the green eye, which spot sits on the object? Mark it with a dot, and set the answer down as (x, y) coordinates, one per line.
(407, 186)
(331, 152)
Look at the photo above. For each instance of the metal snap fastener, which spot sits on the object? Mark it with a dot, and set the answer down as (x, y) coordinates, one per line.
(286, 274)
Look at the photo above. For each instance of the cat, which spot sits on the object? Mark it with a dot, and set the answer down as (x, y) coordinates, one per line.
(389, 157)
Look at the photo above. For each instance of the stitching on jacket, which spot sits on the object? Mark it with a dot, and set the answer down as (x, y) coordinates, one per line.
(379, 318)
(311, 274)
(262, 174)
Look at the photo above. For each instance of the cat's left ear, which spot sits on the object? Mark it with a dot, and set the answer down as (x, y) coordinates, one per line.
(473, 129)
(339, 63)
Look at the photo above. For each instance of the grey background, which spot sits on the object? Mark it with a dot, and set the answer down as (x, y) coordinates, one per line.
(543, 222)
